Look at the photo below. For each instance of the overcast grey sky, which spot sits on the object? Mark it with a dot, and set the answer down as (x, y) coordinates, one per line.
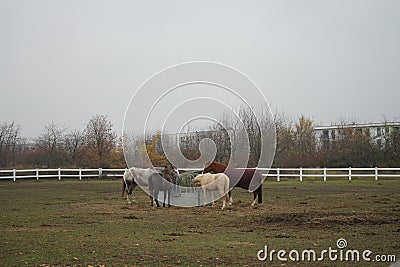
(66, 61)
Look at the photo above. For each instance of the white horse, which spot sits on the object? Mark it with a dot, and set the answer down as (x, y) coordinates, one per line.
(133, 177)
(214, 182)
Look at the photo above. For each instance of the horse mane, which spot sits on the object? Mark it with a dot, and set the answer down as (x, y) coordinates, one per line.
(219, 164)
(214, 163)
(215, 166)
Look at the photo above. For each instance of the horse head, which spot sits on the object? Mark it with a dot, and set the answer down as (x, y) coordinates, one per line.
(214, 167)
(170, 173)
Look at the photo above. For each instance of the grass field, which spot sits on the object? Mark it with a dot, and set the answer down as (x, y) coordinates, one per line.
(83, 223)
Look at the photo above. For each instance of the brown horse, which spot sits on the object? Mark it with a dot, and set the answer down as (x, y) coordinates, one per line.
(248, 179)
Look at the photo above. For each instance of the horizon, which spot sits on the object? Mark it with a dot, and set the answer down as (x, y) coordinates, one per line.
(339, 123)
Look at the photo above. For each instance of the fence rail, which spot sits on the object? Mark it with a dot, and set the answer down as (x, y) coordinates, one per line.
(276, 173)
(60, 173)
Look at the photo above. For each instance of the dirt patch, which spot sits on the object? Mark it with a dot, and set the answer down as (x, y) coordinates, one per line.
(131, 217)
(174, 234)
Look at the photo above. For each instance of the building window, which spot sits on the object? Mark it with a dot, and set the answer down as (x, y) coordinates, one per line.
(386, 130)
(378, 131)
(325, 135)
(333, 134)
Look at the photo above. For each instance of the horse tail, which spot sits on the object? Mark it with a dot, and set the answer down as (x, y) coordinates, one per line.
(259, 194)
(151, 186)
(123, 187)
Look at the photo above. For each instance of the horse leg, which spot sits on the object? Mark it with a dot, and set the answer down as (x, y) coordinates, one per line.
(230, 201)
(204, 196)
(129, 188)
(169, 197)
(151, 194)
(254, 199)
(132, 195)
(156, 197)
(225, 200)
(165, 196)
(259, 194)
(129, 192)
(151, 200)
(126, 188)
(224, 197)
(133, 198)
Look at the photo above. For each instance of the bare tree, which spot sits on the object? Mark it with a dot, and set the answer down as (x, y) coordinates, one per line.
(392, 148)
(9, 140)
(99, 139)
(51, 143)
(252, 127)
(305, 136)
(52, 136)
(73, 144)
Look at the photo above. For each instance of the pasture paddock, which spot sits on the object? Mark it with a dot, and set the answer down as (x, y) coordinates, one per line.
(81, 223)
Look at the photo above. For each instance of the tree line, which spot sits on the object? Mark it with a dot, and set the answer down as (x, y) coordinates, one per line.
(297, 144)
(95, 146)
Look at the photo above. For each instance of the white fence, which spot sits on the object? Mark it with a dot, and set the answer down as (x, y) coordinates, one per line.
(60, 173)
(275, 173)
(324, 173)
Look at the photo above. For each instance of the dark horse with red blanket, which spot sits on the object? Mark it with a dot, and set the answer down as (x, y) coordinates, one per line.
(244, 178)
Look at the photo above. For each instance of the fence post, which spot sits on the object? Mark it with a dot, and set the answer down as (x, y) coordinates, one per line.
(80, 174)
(14, 175)
(100, 172)
(349, 173)
(278, 177)
(376, 173)
(176, 184)
(324, 174)
(301, 174)
(37, 174)
(59, 174)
